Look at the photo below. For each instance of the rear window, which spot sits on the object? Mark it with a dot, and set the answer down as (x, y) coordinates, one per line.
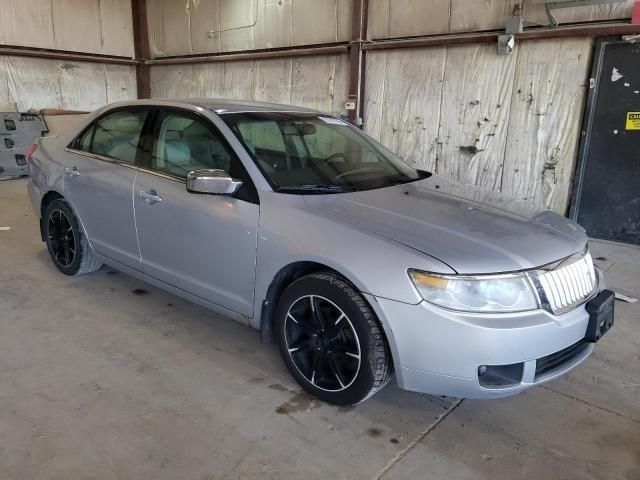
(116, 135)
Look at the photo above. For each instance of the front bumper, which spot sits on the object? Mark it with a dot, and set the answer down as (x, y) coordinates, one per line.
(439, 352)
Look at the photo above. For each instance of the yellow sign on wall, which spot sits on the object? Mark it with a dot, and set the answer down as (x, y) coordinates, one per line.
(633, 121)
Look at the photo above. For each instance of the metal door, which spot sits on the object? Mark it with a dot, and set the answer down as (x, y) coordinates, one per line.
(607, 195)
(100, 190)
(203, 244)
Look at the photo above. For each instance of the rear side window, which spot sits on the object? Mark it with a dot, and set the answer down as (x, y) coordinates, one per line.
(115, 135)
(84, 142)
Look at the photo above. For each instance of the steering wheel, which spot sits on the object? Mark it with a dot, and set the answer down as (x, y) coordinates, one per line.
(361, 170)
(332, 158)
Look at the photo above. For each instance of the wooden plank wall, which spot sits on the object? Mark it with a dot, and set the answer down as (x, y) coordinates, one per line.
(315, 82)
(502, 123)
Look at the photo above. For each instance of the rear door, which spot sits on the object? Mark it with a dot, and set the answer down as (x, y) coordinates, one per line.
(203, 244)
(101, 168)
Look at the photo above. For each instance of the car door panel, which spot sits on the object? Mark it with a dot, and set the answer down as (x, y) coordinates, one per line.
(203, 244)
(100, 192)
(98, 181)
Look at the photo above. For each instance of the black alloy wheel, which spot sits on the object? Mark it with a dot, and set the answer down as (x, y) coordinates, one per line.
(66, 241)
(331, 340)
(61, 238)
(322, 343)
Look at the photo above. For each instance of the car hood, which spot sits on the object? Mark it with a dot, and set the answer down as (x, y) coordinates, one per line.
(471, 230)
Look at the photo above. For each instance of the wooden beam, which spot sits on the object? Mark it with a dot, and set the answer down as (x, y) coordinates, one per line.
(65, 55)
(141, 47)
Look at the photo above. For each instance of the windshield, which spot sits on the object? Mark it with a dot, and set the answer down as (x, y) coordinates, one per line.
(309, 153)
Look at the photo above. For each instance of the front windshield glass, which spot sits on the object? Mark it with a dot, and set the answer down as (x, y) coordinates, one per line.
(308, 153)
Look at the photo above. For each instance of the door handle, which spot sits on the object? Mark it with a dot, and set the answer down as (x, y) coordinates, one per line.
(72, 171)
(151, 196)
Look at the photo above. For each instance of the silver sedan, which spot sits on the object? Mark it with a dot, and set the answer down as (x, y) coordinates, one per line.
(356, 264)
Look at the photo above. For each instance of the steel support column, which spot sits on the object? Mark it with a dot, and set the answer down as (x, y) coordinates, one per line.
(357, 61)
(141, 47)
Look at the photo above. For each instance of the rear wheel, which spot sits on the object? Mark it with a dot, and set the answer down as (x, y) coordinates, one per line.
(331, 341)
(66, 242)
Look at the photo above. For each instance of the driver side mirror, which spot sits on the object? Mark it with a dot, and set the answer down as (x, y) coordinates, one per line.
(214, 182)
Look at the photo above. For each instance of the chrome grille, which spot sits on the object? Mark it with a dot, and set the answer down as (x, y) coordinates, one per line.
(568, 285)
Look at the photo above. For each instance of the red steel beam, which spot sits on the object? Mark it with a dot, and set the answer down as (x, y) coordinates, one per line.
(267, 53)
(538, 33)
(51, 54)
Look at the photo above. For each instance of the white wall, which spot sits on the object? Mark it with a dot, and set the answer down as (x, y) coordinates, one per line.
(35, 83)
(400, 18)
(180, 27)
(503, 123)
(94, 26)
(91, 26)
(318, 82)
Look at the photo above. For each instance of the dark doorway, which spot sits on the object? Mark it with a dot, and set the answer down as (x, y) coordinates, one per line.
(607, 194)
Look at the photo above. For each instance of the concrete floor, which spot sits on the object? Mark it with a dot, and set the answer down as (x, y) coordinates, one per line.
(105, 377)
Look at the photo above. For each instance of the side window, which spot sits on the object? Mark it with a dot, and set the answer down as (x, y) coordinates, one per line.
(184, 143)
(84, 141)
(117, 135)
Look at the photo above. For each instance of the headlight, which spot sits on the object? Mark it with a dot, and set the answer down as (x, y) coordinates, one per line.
(481, 293)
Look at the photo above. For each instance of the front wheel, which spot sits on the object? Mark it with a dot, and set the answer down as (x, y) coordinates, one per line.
(331, 340)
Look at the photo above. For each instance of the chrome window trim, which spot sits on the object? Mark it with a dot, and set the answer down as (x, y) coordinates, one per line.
(122, 163)
(102, 158)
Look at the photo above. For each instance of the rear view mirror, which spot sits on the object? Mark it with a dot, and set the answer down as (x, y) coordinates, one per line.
(215, 182)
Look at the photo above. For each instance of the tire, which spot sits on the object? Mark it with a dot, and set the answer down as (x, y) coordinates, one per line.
(67, 244)
(331, 340)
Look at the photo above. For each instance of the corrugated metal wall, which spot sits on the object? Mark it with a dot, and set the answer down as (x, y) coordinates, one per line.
(92, 26)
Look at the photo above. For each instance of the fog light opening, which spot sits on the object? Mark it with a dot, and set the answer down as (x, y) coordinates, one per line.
(500, 376)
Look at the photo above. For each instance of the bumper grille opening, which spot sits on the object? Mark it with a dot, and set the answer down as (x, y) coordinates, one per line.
(500, 376)
(560, 358)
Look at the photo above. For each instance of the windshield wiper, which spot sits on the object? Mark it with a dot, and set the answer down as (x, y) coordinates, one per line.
(315, 188)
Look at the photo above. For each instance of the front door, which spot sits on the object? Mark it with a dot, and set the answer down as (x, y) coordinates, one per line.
(203, 244)
(608, 194)
(99, 175)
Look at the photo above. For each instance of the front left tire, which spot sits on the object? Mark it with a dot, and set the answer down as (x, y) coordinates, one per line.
(66, 242)
(331, 340)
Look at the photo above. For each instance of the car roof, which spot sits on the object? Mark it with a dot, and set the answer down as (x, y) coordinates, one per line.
(221, 105)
